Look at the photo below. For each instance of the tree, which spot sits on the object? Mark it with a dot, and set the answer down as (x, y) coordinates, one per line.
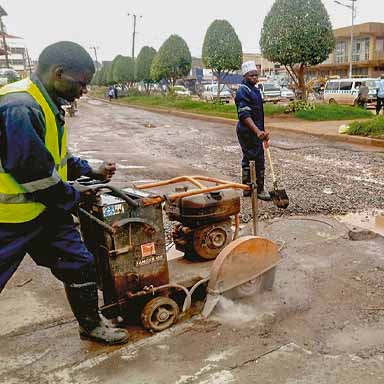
(297, 34)
(109, 74)
(123, 69)
(103, 75)
(173, 60)
(222, 50)
(143, 67)
(96, 78)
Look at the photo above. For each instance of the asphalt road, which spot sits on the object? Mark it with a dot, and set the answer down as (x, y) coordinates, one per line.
(320, 176)
(322, 324)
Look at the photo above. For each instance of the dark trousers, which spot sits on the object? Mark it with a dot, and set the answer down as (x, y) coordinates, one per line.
(52, 241)
(252, 148)
(379, 104)
(362, 102)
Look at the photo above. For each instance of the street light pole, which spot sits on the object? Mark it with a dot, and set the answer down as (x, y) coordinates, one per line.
(353, 9)
(134, 32)
(94, 48)
(353, 24)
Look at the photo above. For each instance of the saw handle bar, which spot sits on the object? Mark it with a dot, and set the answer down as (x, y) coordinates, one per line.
(195, 180)
(101, 184)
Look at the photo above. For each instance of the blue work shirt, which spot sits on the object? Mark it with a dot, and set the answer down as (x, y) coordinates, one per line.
(23, 153)
(249, 103)
(380, 88)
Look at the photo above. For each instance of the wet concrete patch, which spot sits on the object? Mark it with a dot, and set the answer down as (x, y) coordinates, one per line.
(372, 220)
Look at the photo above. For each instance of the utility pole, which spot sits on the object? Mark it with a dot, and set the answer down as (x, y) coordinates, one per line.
(2, 29)
(134, 32)
(352, 7)
(29, 61)
(94, 48)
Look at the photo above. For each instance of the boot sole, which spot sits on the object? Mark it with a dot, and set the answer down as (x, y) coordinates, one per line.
(102, 341)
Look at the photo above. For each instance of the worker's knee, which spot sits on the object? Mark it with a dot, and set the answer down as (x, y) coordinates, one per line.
(79, 270)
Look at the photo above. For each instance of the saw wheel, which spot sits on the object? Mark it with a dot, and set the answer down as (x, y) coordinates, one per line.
(159, 314)
(259, 284)
(208, 241)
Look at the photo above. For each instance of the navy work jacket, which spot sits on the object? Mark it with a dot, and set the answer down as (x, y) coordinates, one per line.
(249, 103)
(23, 153)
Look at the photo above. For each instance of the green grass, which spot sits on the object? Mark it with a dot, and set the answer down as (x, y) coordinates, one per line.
(322, 112)
(372, 128)
(188, 105)
(325, 112)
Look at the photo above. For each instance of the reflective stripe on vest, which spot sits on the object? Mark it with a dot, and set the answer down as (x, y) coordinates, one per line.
(15, 204)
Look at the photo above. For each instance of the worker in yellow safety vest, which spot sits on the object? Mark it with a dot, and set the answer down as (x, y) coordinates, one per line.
(35, 199)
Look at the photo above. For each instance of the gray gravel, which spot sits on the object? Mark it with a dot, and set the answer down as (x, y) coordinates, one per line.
(328, 180)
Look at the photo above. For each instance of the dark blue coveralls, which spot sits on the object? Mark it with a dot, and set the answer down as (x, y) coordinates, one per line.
(50, 239)
(249, 103)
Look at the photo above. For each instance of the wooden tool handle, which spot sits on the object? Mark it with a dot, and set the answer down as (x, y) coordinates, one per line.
(266, 149)
(255, 206)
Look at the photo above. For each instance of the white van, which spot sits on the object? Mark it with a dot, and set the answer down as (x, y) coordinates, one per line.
(346, 91)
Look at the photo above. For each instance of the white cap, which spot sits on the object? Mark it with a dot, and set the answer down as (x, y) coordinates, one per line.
(248, 66)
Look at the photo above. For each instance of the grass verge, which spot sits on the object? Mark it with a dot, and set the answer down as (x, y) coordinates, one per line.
(188, 105)
(322, 112)
(371, 128)
(327, 112)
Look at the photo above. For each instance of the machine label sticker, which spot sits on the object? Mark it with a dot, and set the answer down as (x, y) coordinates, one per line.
(112, 210)
(148, 260)
(148, 255)
(148, 249)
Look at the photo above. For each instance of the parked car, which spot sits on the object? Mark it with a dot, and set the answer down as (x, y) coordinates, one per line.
(346, 91)
(180, 90)
(270, 92)
(210, 93)
(287, 94)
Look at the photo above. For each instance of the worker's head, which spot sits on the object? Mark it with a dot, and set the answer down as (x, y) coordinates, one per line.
(249, 70)
(65, 69)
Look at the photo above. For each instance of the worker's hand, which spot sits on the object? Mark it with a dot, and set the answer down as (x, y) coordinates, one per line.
(105, 171)
(263, 135)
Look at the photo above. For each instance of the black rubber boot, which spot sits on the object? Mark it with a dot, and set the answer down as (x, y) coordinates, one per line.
(262, 194)
(246, 179)
(84, 303)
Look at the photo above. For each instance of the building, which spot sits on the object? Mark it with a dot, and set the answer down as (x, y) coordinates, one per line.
(17, 54)
(264, 66)
(367, 53)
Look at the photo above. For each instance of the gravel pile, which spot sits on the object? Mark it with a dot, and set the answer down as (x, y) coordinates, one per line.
(323, 180)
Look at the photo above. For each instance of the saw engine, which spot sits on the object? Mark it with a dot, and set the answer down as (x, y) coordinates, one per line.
(204, 222)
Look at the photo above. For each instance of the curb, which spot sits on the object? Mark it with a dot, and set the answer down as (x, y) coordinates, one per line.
(368, 141)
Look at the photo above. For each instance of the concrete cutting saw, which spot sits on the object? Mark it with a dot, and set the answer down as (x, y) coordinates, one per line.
(144, 279)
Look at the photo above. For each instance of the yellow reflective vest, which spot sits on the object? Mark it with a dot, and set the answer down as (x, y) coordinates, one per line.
(15, 207)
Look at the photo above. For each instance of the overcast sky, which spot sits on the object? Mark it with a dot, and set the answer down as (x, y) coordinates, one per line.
(105, 23)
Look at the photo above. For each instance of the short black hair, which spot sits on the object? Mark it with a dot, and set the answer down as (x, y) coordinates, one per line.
(71, 56)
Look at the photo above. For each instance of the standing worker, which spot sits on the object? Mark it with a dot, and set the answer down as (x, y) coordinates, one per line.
(35, 199)
(380, 95)
(250, 128)
(362, 98)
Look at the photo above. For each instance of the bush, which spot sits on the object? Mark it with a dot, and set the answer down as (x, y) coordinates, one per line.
(132, 91)
(299, 105)
(373, 128)
(325, 112)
